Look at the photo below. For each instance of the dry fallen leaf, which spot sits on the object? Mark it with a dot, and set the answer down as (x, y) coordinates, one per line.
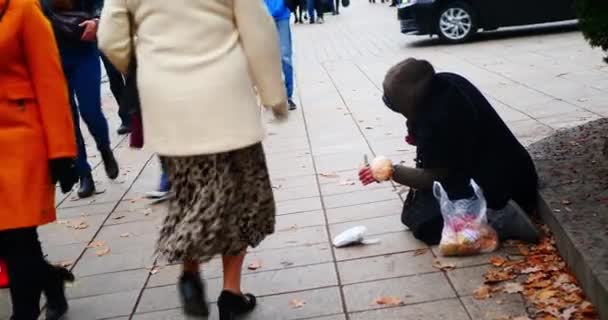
(568, 313)
(347, 182)
(66, 263)
(587, 308)
(329, 175)
(497, 275)
(254, 265)
(438, 264)
(513, 287)
(546, 294)
(118, 217)
(102, 252)
(97, 244)
(498, 261)
(296, 303)
(80, 226)
(521, 318)
(125, 235)
(483, 292)
(154, 271)
(420, 252)
(388, 301)
(531, 270)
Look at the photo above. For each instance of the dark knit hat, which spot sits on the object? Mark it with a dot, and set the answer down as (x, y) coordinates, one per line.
(407, 84)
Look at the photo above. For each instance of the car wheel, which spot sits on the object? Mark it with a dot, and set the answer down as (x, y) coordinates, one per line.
(456, 22)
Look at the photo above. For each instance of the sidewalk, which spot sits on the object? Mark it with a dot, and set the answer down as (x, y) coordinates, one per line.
(538, 83)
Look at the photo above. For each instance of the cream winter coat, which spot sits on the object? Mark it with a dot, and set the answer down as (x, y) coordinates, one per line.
(198, 63)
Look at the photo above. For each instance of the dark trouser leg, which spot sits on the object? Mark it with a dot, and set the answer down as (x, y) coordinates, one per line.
(27, 271)
(117, 86)
(337, 7)
(87, 82)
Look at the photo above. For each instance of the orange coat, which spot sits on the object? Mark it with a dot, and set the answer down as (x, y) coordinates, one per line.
(35, 116)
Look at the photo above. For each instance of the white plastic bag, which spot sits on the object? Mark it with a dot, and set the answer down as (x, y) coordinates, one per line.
(353, 236)
(465, 224)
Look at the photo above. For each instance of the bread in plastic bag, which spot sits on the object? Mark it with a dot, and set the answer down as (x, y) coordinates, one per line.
(465, 224)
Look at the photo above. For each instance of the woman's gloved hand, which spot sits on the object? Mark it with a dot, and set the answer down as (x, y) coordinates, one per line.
(64, 171)
(366, 176)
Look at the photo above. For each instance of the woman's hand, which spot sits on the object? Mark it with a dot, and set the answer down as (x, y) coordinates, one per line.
(90, 30)
(365, 176)
(280, 112)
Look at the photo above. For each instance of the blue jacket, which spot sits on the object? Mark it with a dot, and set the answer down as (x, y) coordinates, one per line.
(278, 10)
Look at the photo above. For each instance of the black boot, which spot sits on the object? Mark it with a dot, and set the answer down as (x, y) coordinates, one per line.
(512, 223)
(109, 162)
(87, 186)
(231, 305)
(54, 289)
(192, 293)
(123, 129)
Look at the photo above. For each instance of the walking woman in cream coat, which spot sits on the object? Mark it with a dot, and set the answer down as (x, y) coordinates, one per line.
(198, 64)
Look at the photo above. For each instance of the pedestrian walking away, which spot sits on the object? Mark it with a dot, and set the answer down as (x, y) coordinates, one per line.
(207, 133)
(118, 88)
(81, 65)
(38, 150)
(281, 15)
(459, 137)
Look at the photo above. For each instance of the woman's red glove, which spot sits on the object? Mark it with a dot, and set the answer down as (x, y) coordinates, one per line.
(365, 176)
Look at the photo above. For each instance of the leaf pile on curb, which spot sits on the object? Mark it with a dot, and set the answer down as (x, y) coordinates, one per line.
(544, 280)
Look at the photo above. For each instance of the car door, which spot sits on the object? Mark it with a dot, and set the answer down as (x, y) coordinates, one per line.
(502, 13)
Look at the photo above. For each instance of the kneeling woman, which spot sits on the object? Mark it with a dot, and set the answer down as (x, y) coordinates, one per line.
(459, 136)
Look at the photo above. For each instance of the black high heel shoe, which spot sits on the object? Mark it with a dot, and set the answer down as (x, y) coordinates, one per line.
(192, 293)
(57, 304)
(231, 305)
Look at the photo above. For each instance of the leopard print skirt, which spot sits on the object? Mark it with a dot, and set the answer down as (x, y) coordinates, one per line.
(223, 205)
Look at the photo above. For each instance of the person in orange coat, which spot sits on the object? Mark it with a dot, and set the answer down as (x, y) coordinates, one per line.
(38, 150)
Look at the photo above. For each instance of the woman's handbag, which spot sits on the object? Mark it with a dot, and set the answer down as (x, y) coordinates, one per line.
(66, 24)
(422, 215)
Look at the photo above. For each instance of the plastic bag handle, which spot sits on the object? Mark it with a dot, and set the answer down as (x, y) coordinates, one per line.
(477, 189)
(438, 191)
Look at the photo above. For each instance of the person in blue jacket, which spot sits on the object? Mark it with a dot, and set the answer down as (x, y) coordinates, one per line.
(281, 15)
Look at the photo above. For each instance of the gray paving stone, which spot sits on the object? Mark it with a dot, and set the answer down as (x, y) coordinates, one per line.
(285, 194)
(91, 264)
(364, 211)
(89, 210)
(289, 280)
(57, 254)
(384, 267)
(389, 243)
(414, 289)
(318, 302)
(501, 306)
(375, 226)
(151, 213)
(107, 283)
(359, 197)
(294, 238)
(449, 309)
(57, 234)
(103, 306)
(300, 205)
(467, 280)
(300, 220)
